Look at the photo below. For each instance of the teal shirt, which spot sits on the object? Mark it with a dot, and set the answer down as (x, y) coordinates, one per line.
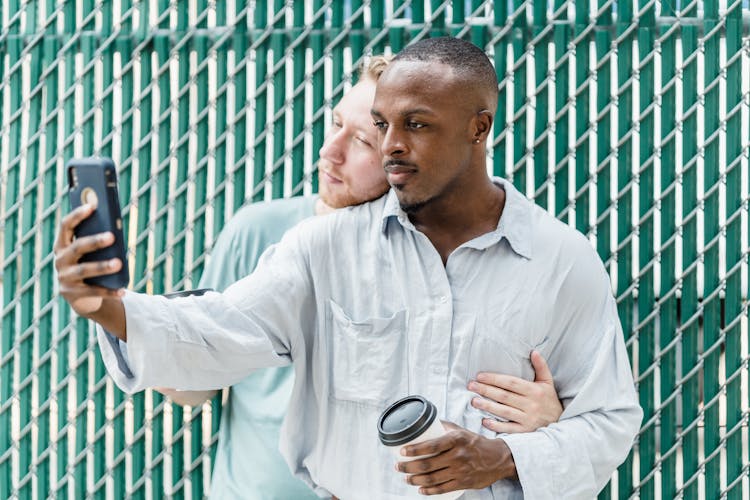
(248, 463)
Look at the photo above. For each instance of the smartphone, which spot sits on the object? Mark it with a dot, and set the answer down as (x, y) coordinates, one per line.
(188, 293)
(94, 180)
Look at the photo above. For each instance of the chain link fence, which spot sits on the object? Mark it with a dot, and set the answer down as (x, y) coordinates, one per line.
(629, 121)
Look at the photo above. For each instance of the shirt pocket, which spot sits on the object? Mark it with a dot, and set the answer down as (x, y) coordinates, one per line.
(368, 357)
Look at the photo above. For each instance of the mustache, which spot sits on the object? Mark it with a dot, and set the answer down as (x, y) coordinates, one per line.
(393, 162)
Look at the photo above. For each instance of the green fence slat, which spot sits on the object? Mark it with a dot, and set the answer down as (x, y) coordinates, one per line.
(438, 17)
(199, 231)
(561, 69)
(241, 50)
(317, 46)
(500, 59)
(518, 42)
(645, 282)
(603, 68)
(179, 248)
(223, 129)
(279, 98)
(541, 119)
(624, 198)
(10, 263)
(582, 101)
(711, 283)
(221, 178)
(734, 257)
(88, 131)
(298, 105)
(64, 347)
(416, 9)
(604, 105)
(28, 262)
(377, 21)
(356, 38)
(668, 310)
(336, 46)
(46, 275)
(261, 102)
(201, 149)
(689, 291)
(106, 133)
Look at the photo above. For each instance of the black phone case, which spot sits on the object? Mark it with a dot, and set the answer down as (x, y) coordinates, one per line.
(99, 175)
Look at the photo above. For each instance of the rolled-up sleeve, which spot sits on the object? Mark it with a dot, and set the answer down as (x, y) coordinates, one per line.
(215, 340)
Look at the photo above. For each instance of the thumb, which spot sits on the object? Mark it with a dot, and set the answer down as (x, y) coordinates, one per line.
(541, 370)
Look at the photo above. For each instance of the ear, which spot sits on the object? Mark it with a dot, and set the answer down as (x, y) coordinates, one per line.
(481, 124)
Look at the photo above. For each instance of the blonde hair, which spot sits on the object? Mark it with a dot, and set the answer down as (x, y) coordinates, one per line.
(374, 67)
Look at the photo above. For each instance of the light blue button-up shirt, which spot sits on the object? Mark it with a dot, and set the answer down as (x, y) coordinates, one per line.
(362, 305)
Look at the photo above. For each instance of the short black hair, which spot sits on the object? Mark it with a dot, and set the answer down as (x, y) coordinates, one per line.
(466, 59)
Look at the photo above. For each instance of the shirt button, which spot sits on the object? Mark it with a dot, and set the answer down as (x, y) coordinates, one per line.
(443, 299)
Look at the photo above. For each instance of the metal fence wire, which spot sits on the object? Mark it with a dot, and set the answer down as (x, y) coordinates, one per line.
(629, 121)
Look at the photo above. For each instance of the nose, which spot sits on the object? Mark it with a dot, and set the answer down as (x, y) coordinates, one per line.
(333, 147)
(392, 143)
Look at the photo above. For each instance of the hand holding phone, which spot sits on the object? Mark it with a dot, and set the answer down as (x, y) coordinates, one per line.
(94, 181)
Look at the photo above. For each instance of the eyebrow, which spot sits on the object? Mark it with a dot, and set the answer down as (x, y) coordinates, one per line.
(409, 112)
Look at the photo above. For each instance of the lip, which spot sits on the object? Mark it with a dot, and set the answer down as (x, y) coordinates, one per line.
(398, 174)
(331, 179)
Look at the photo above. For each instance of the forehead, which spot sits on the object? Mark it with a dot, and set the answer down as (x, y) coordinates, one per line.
(355, 105)
(415, 83)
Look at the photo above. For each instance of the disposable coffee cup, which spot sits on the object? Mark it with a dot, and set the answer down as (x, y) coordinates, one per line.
(411, 420)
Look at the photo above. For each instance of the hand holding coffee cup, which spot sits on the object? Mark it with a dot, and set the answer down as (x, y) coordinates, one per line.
(408, 421)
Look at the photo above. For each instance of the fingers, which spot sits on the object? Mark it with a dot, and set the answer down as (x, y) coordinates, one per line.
(432, 479)
(83, 270)
(507, 382)
(429, 447)
(451, 485)
(72, 253)
(498, 395)
(68, 224)
(541, 370)
(503, 427)
(497, 409)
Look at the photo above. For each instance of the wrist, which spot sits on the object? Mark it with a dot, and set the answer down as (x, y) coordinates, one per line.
(506, 465)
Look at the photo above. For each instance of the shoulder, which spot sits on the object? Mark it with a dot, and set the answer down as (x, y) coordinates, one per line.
(569, 254)
(274, 211)
(357, 220)
(269, 218)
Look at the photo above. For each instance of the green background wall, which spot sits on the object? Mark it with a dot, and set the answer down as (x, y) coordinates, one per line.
(629, 121)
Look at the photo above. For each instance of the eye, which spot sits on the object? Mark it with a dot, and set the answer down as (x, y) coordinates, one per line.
(380, 125)
(362, 140)
(336, 124)
(414, 125)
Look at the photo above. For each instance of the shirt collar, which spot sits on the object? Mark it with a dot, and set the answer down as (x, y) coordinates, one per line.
(514, 225)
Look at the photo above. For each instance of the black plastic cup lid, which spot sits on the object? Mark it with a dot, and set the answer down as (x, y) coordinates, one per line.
(406, 419)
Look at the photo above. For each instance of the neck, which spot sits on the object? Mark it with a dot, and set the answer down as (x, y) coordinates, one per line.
(466, 212)
(322, 208)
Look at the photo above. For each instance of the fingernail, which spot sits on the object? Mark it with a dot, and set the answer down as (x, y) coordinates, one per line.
(403, 451)
(472, 386)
